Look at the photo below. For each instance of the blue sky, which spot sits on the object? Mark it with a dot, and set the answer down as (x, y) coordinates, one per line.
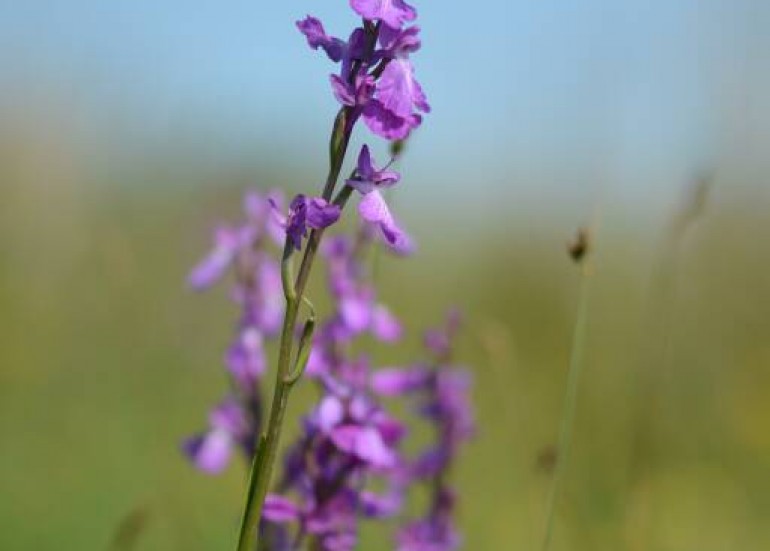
(554, 90)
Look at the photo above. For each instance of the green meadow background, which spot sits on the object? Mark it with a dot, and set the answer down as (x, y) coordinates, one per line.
(107, 362)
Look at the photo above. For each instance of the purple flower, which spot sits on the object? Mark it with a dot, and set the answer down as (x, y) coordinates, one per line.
(451, 405)
(260, 295)
(397, 382)
(232, 243)
(399, 42)
(444, 395)
(268, 305)
(365, 443)
(246, 357)
(348, 439)
(398, 90)
(280, 509)
(387, 105)
(368, 177)
(258, 207)
(393, 13)
(384, 325)
(227, 243)
(387, 124)
(212, 450)
(368, 180)
(357, 306)
(380, 506)
(353, 95)
(355, 310)
(439, 341)
(316, 36)
(304, 213)
(374, 210)
(391, 115)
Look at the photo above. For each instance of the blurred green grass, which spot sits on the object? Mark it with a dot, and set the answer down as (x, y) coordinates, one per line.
(107, 362)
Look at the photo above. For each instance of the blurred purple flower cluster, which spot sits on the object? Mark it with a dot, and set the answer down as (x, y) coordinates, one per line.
(245, 251)
(350, 442)
(441, 393)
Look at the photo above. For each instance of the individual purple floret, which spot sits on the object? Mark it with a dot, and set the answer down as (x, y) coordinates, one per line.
(390, 113)
(227, 243)
(229, 427)
(306, 212)
(368, 177)
(373, 209)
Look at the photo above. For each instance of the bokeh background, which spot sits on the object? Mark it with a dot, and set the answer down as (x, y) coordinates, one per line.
(129, 129)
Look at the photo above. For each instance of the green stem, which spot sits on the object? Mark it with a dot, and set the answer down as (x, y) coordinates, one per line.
(570, 403)
(262, 467)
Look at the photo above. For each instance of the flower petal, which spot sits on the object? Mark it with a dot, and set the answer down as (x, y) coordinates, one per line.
(227, 242)
(316, 36)
(280, 509)
(394, 13)
(374, 209)
(321, 214)
(385, 326)
(330, 413)
(387, 124)
(211, 451)
(398, 90)
(395, 382)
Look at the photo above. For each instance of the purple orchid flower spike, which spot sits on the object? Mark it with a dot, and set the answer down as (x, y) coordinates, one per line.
(304, 213)
(387, 101)
(347, 463)
(393, 13)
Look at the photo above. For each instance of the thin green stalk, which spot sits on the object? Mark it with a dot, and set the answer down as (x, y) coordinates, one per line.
(262, 467)
(264, 460)
(259, 481)
(570, 403)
